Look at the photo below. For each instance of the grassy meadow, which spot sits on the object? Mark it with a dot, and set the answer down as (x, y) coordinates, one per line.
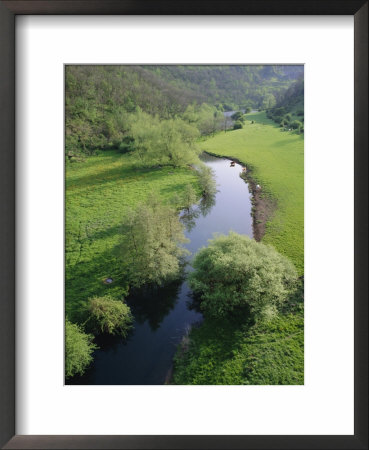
(276, 158)
(98, 193)
(234, 353)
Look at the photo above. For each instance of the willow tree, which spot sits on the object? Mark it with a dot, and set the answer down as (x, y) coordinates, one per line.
(78, 349)
(151, 248)
(236, 274)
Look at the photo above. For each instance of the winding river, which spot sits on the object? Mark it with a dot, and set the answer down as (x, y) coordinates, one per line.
(164, 315)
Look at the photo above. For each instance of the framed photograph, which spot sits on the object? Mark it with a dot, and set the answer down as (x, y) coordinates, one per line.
(184, 225)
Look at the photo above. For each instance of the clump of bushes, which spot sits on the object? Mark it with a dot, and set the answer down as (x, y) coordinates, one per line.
(237, 275)
(78, 349)
(108, 315)
(238, 125)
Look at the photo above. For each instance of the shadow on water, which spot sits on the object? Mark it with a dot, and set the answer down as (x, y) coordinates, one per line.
(164, 314)
(154, 303)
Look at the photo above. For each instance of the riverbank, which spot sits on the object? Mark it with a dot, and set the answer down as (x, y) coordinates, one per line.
(275, 161)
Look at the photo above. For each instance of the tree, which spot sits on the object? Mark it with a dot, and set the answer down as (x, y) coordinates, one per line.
(189, 196)
(109, 315)
(237, 274)
(238, 125)
(238, 115)
(150, 250)
(206, 181)
(78, 349)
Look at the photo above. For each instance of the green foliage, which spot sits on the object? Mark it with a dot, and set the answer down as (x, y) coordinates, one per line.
(236, 274)
(277, 162)
(171, 141)
(238, 125)
(110, 316)
(290, 105)
(238, 115)
(127, 145)
(296, 125)
(101, 100)
(206, 181)
(189, 196)
(78, 349)
(150, 250)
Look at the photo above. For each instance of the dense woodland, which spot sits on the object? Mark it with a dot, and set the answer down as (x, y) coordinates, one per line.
(103, 101)
(127, 129)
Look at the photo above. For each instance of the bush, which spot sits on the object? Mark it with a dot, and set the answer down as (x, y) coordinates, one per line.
(110, 316)
(238, 125)
(296, 125)
(127, 145)
(78, 349)
(237, 115)
(236, 274)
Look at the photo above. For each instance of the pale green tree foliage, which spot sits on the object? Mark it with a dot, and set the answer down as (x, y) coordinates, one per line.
(151, 243)
(109, 315)
(237, 274)
(206, 180)
(189, 196)
(171, 141)
(78, 349)
(206, 118)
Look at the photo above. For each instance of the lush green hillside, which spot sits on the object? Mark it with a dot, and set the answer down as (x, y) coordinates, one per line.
(98, 193)
(100, 100)
(289, 111)
(277, 161)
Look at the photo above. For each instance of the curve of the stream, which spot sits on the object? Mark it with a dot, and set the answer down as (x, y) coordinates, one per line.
(162, 316)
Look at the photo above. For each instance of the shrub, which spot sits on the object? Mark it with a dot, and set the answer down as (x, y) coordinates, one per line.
(237, 125)
(127, 145)
(78, 349)
(296, 125)
(237, 274)
(110, 316)
(238, 115)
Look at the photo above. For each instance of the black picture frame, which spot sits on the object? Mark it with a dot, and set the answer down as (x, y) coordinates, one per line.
(8, 12)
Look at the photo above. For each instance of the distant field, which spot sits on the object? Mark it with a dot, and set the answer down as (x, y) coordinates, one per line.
(277, 160)
(98, 192)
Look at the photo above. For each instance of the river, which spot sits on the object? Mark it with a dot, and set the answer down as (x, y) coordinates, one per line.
(162, 316)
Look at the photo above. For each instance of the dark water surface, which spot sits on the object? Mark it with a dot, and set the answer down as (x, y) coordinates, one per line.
(162, 316)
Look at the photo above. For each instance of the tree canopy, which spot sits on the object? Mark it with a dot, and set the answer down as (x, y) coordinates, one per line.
(109, 315)
(151, 249)
(78, 349)
(235, 273)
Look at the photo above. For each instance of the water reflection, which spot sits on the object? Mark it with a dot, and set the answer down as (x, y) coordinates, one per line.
(153, 303)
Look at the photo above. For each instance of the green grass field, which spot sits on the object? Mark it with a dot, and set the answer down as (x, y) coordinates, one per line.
(277, 161)
(98, 192)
